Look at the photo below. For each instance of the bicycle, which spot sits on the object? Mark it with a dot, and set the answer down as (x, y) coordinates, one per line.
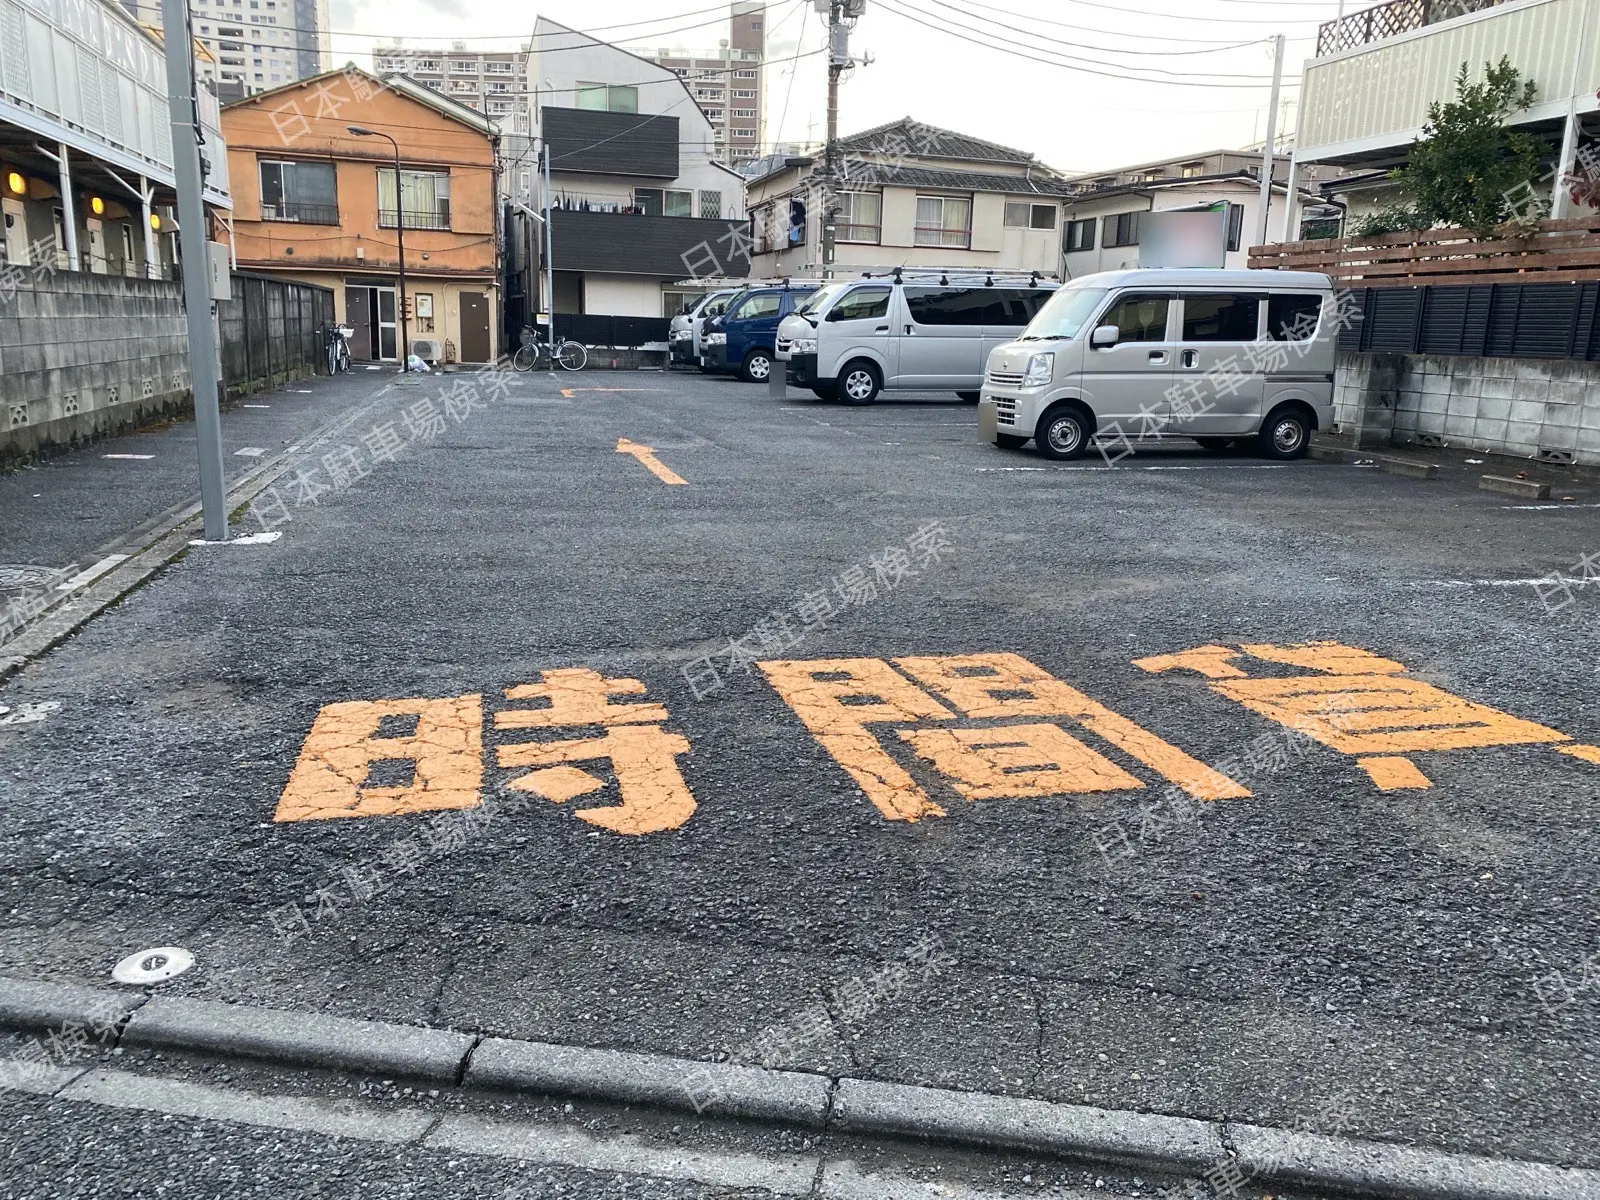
(570, 355)
(337, 339)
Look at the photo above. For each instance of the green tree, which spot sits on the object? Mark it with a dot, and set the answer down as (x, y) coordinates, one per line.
(1468, 169)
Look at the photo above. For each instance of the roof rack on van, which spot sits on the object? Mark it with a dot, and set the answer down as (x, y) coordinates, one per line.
(964, 276)
(714, 285)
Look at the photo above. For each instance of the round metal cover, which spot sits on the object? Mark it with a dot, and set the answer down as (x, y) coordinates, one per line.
(153, 966)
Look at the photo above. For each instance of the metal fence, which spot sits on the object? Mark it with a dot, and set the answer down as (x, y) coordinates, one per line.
(1531, 320)
(597, 330)
(271, 332)
(1385, 20)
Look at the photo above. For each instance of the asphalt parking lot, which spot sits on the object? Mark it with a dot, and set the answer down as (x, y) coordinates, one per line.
(837, 739)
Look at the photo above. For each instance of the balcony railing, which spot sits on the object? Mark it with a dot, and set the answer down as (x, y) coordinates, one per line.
(305, 214)
(388, 218)
(1386, 20)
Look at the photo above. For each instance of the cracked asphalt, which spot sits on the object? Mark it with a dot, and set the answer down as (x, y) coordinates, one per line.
(1318, 953)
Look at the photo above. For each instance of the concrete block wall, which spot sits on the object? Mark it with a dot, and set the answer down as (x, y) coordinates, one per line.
(1528, 408)
(85, 355)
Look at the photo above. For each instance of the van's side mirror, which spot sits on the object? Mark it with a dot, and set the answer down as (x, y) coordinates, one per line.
(1106, 335)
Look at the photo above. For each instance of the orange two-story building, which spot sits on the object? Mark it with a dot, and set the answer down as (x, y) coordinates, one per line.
(314, 201)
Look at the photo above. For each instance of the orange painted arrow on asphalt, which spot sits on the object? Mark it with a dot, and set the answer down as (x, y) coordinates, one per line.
(648, 457)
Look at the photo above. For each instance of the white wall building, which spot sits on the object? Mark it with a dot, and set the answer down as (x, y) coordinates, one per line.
(639, 200)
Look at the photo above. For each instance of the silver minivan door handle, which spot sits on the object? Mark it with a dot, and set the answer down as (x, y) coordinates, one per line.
(1191, 358)
(1158, 356)
(881, 329)
(910, 329)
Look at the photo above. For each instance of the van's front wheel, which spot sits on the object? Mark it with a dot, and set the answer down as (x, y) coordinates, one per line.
(1063, 434)
(757, 367)
(858, 383)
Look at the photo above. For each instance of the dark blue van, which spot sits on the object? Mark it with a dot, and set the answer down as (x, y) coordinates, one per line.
(741, 340)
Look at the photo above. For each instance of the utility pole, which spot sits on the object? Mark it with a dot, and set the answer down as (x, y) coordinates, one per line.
(838, 63)
(184, 112)
(1267, 150)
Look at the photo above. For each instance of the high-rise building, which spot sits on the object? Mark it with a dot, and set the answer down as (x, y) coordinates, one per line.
(258, 44)
(729, 83)
(492, 81)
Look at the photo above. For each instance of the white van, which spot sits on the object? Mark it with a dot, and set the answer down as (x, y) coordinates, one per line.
(857, 337)
(686, 330)
(1217, 356)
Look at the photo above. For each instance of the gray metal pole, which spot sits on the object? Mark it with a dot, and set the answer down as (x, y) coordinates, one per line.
(549, 257)
(196, 266)
(152, 260)
(69, 213)
(1267, 151)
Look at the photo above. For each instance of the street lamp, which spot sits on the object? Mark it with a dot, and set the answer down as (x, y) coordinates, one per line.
(400, 234)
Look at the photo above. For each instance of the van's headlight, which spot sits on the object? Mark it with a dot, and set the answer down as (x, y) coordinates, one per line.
(715, 339)
(803, 346)
(1041, 369)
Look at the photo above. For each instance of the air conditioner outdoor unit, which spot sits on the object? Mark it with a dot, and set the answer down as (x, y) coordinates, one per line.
(427, 349)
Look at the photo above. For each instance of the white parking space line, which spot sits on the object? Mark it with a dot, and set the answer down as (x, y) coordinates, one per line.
(1545, 507)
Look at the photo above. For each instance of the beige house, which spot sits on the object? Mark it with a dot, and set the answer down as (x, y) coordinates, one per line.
(912, 195)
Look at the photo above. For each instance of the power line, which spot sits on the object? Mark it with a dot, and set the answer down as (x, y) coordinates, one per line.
(1169, 16)
(1152, 37)
(1083, 66)
(1105, 49)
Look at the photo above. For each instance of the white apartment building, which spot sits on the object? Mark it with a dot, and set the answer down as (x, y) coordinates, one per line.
(729, 83)
(912, 195)
(494, 82)
(258, 44)
(1377, 70)
(1101, 230)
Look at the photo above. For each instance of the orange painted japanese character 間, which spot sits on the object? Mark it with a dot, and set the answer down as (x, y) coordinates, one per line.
(838, 699)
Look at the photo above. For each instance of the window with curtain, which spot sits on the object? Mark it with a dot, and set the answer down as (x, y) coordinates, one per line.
(860, 217)
(425, 199)
(944, 221)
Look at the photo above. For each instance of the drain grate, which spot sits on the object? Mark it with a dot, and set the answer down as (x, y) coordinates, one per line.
(17, 577)
(1561, 457)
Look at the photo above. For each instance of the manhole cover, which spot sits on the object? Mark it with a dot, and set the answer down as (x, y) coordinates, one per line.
(153, 966)
(16, 577)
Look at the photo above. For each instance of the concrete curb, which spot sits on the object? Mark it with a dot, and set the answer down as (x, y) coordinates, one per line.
(1178, 1145)
(310, 1038)
(787, 1097)
(150, 547)
(1099, 1134)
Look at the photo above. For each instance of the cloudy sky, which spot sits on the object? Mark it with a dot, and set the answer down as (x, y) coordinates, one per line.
(1084, 84)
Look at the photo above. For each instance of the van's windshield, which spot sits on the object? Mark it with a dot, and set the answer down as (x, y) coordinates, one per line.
(820, 298)
(1064, 315)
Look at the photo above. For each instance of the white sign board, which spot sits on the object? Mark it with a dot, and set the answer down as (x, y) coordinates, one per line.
(1184, 239)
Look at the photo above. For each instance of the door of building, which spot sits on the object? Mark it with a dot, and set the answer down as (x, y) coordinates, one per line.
(16, 233)
(474, 327)
(97, 247)
(358, 315)
(371, 312)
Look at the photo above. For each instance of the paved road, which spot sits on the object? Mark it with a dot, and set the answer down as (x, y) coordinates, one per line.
(979, 845)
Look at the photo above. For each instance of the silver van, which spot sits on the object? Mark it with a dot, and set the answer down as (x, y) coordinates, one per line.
(1217, 356)
(686, 330)
(855, 338)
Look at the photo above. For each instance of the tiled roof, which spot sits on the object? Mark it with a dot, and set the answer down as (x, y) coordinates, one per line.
(857, 171)
(908, 136)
